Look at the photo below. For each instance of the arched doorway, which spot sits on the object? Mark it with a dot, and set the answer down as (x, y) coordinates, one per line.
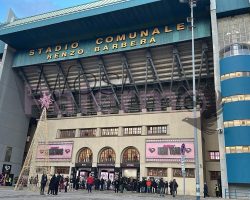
(85, 155)
(130, 163)
(83, 164)
(106, 163)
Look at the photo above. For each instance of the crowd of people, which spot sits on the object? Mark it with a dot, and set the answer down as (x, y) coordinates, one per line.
(59, 183)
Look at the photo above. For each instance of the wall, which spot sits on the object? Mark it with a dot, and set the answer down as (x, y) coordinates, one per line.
(210, 143)
(231, 5)
(236, 110)
(13, 121)
(179, 124)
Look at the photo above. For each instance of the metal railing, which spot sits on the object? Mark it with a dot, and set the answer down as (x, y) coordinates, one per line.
(237, 194)
(235, 49)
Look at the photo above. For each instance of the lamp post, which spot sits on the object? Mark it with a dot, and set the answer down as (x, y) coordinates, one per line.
(192, 4)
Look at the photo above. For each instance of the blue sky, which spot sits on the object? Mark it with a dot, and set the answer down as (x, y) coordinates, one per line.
(25, 8)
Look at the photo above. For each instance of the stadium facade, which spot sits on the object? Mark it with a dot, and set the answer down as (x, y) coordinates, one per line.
(120, 76)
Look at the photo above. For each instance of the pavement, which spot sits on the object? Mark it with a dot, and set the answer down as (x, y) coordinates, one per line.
(10, 193)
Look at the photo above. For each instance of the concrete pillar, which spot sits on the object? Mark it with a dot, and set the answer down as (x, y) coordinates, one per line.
(144, 130)
(14, 122)
(77, 133)
(170, 174)
(52, 170)
(120, 131)
(98, 132)
(221, 138)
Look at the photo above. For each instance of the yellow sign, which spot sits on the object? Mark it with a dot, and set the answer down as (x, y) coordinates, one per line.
(104, 44)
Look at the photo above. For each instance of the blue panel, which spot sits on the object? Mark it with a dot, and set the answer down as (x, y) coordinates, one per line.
(238, 168)
(1, 47)
(230, 5)
(89, 47)
(235, 64)
(236, 110)
(235, 86)
(237, 136)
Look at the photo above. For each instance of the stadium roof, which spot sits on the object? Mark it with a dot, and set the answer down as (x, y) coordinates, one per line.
(94, 19)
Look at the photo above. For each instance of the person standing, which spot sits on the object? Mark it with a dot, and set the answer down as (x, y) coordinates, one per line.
(44, 180)
(148, 184)
(166, 187)
(77, 182)
(90, 182)
(66, 184)
(57, 182)
(174, 187)
(116, 185)
(217, 190)
(162, 187)
(108, 184)
(205, 190)
(51, 189)
(154, 186)
(143, 186)
(102, 184)
(170, 187)
(61, 183)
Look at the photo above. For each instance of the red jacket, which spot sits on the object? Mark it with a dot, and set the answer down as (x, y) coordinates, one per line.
(90, 180)
(148, 183)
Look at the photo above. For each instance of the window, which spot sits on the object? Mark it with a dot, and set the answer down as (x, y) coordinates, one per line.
(107, 155)
(178, 173)
(157, 130)
(62, 170)
(88, 132)
(8, 154)
(132, 130)
(109, 131)
(41, 170)
(150, 104)
(214, 155)
(69, 133)
(215, 175)
(85, 155)
(159, 172)
(131, 155)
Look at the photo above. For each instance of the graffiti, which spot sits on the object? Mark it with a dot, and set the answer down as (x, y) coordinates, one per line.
(110, 92)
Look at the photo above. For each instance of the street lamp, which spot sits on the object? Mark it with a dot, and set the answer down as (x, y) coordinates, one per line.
(192, 4)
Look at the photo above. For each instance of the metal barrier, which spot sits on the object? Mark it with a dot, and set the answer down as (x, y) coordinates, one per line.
(237, 194)
(235, 49)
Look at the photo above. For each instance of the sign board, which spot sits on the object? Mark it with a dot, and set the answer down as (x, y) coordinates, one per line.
(55, 151)
(169, 150)
(6, 169)
(136, 39)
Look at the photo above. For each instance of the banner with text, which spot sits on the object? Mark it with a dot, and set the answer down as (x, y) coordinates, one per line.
(55, 151)
(168, 150)
(114, 43)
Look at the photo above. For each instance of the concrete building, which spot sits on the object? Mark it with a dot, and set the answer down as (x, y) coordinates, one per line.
(120, 76)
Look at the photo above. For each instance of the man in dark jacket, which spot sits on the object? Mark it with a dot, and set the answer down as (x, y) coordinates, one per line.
(205, 190)
(116, 185)
(57, 181)
(174, 187)
(161, 187)
(143, 186)
(44, 180)
(166, 187)
(170, 187)
(108, 184)
(51, 189)
(102, 184)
